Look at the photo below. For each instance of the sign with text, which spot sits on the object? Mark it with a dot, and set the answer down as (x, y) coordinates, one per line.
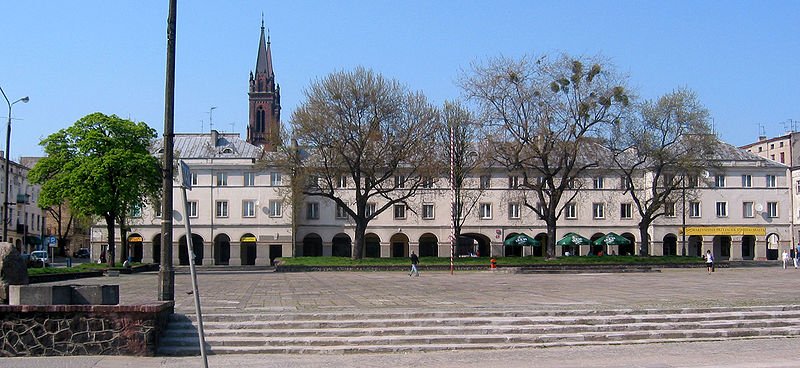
(726, 230)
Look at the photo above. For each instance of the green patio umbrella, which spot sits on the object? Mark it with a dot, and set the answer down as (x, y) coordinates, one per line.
(520, 240)
(573, 239)
(612, 239)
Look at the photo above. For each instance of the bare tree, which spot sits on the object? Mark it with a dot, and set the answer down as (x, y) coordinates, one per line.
(671, 141)
(544, 113)
(368, 141)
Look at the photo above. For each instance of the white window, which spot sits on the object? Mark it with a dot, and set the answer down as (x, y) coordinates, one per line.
(486, 211)
(694, 209)
(427, 211)
(399, 211)
(342, 182)
(693, 182)
(747, 209)
(722, 209)
(747, 181)
(249, 179)
(626, 211)
(222, 209)
(598, 210)
(275, 179)
(400, 181)
(248, 208)
(222, 179)
(571, 211)
(772, 209)
(624, 184)
(598, 182)
(513, 210)
(341, 213)
(158, 211)
(771, 181)
(486, 181)
(427, 182)
(513, 182)
(719, 181)
(275, 209)
(669, 209)
(193, 209)
(312, 211)
(134, 212)
(370, 210)
(194, 178)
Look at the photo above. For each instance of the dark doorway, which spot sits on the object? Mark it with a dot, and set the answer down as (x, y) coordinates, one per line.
(222, 249)
(157, 249)
(312, 246)
(428, 246)
(197, 249)
(275, 251)
(372, 245)
(342, 246)
(670, 245)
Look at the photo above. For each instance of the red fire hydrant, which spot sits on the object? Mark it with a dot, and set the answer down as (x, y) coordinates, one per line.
(493, 263)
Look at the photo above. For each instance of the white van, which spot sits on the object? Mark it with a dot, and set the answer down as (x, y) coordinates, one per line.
(39, 256)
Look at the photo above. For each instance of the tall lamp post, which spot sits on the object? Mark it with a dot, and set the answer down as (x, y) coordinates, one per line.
(8, 161)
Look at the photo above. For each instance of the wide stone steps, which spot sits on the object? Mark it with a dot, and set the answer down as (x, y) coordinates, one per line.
(290, 333)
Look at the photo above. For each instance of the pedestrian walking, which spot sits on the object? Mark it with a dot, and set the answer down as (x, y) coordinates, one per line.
(796, 256)
(785, 258)
(414, 262)
(709, 261)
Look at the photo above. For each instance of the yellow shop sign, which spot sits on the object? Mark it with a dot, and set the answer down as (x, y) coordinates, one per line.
(248, 239)
(726, 230)
(135, 239)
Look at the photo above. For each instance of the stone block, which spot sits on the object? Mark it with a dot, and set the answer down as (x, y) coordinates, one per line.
(95, 294)
(13, 270)
(39, 294)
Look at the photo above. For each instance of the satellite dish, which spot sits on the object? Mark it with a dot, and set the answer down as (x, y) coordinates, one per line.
(759, 207)
(706, 174)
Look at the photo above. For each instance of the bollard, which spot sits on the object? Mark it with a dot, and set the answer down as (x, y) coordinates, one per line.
(493, 263)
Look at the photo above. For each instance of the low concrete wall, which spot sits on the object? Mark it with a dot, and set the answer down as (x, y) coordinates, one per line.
(52, 330)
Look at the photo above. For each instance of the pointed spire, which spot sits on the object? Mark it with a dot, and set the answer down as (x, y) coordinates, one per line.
(264, 60)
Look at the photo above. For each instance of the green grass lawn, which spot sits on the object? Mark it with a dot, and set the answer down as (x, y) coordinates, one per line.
(477, 261)
(83, 267)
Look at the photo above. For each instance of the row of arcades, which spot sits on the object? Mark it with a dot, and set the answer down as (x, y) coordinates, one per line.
(246, 250)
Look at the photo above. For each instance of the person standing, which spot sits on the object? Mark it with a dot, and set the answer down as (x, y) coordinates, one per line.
(796, 256)
(709, 261)
(785, 259)
(414, 262)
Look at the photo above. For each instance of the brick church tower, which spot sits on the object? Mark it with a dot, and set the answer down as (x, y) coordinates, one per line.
(265, 100)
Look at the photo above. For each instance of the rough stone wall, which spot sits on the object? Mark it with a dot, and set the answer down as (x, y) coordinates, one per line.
(29, 330)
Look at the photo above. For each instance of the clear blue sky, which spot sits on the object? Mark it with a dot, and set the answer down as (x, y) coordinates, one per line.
(77, 57)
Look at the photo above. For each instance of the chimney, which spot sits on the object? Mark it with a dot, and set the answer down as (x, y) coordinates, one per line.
(762, 138)
(214, 137)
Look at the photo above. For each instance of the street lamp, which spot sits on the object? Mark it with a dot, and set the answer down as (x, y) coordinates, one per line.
(8, 162)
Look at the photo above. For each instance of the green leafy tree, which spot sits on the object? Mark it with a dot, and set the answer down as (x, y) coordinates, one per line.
(99, 165)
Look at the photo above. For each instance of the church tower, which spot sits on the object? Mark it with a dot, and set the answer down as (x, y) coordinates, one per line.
(265, 100)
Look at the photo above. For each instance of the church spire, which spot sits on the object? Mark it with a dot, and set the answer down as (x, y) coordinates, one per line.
(265, 99)
(264, 59)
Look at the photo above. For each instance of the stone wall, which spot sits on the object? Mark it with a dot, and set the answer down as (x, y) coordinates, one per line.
(52, 330)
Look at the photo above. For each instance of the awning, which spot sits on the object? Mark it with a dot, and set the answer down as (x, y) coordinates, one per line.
(573, 239)
(612, 239)
(520, 240)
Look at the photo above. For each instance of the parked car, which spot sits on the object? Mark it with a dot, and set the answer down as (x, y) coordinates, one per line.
(38, 258)
(81, 253)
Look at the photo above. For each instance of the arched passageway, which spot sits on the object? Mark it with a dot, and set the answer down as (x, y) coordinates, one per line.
(428, 245)
(197, 249)
(670, 245)
(135, 248)
(222, 249)
(312, 245)
(248, 251)
(342, 246)
(399, 245)
(372, 244)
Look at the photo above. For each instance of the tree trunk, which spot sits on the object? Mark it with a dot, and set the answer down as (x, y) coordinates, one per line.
(359, 244)
(551, 237)
(644, 242)
(110, 253)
